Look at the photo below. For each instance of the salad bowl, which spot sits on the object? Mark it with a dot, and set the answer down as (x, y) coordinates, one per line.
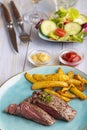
(66, 25)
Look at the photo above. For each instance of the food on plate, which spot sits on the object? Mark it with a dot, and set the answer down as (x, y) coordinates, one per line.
(48, 84)
(70, 74)
(30, 111)
(57, 108)
(77, 92)
(29, 77)
(60, 84)
(57, 94)
(50, 77)
(42, 108)
(84, 26)
(66, 94)
(47, 26)
(65, 25)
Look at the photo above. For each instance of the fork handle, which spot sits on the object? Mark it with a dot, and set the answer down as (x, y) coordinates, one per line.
(15, 11)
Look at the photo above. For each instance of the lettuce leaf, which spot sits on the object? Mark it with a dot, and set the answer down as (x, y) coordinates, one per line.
(70, 13)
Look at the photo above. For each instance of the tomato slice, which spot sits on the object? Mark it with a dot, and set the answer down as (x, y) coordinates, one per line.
(60, 32)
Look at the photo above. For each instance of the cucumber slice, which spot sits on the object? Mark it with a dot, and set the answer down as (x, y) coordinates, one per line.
(47, 26)
(81, 19)
(72, 28)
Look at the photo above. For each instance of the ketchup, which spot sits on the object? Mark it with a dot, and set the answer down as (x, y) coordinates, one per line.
(71, 57)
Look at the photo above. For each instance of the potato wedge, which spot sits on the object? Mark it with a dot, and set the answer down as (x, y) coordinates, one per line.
(66, 94)
(50, 77)
(58, 95)
(81, 88)
(77, 92)
(70, 74)
(75, 82)
(60, 71)
(65, 89)
(39, 77)
(49, 84)
(29, 77)
(79, 77)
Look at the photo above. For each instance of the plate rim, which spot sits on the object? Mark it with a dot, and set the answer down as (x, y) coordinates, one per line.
(55, 41)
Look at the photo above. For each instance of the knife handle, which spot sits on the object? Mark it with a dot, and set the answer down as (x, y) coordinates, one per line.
(15, 11)
(6, 14)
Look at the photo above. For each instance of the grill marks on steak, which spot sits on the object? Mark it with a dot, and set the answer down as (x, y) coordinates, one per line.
(57, 108)
(30, 111)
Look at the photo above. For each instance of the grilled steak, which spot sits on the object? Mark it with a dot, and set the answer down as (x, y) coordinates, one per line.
(29, 111)
(57, 108)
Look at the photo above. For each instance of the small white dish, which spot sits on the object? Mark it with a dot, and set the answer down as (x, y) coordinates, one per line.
(39, 57)
(70, 57)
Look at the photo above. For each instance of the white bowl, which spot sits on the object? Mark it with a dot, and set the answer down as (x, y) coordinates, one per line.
(73, 61)
(39, 57)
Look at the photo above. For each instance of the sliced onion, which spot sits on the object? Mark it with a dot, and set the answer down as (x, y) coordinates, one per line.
(39, 23)
(84, 27)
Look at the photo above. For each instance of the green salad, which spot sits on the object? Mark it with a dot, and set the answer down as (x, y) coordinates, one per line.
(65, 25)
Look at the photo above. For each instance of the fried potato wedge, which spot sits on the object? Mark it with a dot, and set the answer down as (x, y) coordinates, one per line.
(49, 84)
(29, 77)
(70, 74)
(65, 89)
(79, 77)
(81, 88)
(51, 77)
(77, 92)
(58, 95)
(75, 82)
(66, 94)
(60, 71)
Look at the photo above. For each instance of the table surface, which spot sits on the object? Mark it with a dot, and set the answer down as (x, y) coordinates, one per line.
(12, 63)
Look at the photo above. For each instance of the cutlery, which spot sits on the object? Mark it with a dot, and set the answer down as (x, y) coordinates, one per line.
(24, 37)
(10, 27)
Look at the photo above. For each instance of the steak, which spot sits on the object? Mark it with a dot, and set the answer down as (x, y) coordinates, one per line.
(57, 108)
(30, 111)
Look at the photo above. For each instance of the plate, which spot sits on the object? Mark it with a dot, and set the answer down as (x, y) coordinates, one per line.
(18, 88)
(47, 39)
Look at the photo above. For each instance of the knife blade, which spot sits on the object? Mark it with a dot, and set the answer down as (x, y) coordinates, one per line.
(10, 27)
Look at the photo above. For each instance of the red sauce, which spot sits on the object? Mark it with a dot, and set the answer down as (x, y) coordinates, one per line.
(71, 57)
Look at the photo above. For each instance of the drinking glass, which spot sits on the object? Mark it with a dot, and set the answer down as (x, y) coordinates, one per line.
(64, 3)
(35, 15)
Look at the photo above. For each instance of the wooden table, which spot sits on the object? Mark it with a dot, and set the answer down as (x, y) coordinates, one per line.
(12, 63)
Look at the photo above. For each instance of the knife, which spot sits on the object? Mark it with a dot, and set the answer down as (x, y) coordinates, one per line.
(16, 15)
(10, 27)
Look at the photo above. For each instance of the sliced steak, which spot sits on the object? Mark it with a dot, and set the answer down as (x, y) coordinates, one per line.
(57, 107)
(29, 111)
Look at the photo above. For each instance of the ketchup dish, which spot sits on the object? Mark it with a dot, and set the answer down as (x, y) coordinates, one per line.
(70, 57)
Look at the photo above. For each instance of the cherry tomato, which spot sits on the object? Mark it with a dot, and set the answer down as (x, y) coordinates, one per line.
(71, 57)
(60, 32)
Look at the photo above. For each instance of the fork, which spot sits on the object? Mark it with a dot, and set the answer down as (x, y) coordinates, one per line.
(24, 37)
